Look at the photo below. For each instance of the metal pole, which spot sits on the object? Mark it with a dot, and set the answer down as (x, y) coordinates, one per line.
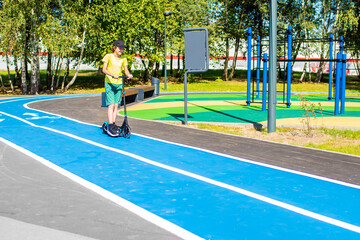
(340, 65)
(341, 44)
(258, 59)
(331, 66)
(248, 68)
(264, 82)
(343, 84)
(272, 67)
(288, 91)
(165, 56)
(185, 99)
(337, 83)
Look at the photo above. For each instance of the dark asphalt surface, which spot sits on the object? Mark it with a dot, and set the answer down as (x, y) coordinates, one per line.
(32, 193)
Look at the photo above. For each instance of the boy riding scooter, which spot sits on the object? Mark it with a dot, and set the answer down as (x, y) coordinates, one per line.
(114, 66)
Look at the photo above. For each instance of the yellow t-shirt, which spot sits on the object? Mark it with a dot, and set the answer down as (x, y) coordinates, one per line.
(115, 66)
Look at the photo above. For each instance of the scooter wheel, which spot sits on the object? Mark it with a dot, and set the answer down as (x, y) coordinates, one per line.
(105, 127)
(126, 132)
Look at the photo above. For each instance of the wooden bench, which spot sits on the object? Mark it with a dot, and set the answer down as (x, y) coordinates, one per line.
(130, 96)
(133, 94)
(144, 92)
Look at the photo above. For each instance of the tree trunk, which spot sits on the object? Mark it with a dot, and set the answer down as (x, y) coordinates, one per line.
(48, 70)
(66, 74)
(178, 75)
(78, 66)
(307, 55)
(171, 63)
(148, 71)
(38, 70)
(237, 44)
(17, 72)
(320, 72)
(183, 60)
(294, 56)
(53, 86)
(34, 88)
(59, 72)
(33, 80)
(225, 74)
(8, 70)
(25, 50)
(23, 75)
(303, 73)
(157, 68)
(2, 85)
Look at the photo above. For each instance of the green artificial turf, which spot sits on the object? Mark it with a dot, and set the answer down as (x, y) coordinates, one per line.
(235, 113)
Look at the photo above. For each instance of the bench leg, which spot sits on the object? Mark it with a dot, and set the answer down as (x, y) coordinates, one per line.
(103, 99)
(140, 95)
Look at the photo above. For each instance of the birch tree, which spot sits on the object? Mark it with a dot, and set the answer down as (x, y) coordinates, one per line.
(75, 7)
(11, 23)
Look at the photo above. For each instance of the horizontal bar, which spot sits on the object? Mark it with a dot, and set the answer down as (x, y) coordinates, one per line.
(308, 60)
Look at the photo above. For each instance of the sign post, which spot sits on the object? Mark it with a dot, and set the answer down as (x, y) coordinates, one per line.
(196, 56)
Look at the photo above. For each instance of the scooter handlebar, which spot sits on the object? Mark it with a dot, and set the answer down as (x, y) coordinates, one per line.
(123, 77)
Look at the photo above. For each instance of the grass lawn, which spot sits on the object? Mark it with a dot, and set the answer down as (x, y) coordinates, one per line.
(92, 82)
(337, 140)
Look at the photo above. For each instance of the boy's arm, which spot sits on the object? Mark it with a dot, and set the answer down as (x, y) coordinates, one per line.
(104, 69)
(127, 72)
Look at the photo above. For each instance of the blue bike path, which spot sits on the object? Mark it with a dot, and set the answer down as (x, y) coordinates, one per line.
(211, 195)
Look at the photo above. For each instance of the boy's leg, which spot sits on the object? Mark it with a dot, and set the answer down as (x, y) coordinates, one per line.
(112, 112)
(113, 98)
(117, 99)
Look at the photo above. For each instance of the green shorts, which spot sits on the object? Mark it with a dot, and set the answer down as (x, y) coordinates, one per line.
(113, 93)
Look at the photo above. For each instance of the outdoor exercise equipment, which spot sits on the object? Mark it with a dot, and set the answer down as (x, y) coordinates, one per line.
(340, 69)
(124, 130)
(196, 56)
(259, 58)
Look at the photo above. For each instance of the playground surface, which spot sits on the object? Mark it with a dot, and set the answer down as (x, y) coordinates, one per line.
(232, 109)
(61, 175)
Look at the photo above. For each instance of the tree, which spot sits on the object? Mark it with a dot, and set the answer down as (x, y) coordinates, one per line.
(11, 23)
(20, 22)
(141, 25)
(348, 24)
(232, 19)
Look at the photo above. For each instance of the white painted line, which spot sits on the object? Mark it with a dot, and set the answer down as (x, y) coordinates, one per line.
(257, 163)
(35, 116)
(14, 100)
(292, 208)
(32, 114)
(168, 226)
